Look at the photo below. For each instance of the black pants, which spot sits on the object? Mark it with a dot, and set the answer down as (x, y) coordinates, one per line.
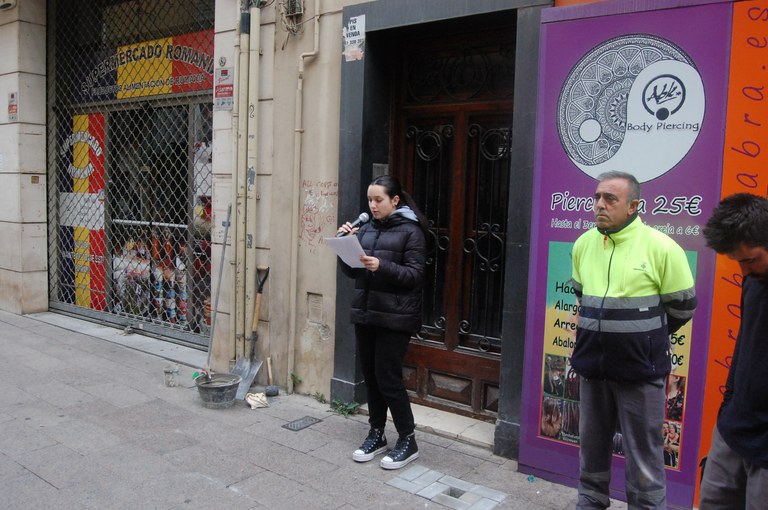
(382, 352)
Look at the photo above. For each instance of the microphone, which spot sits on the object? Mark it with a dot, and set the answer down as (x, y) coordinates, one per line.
(363, 218)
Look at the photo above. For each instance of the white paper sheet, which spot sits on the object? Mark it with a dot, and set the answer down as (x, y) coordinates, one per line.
(348, 248)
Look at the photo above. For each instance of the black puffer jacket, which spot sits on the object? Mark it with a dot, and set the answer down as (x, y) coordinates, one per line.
(390, 297)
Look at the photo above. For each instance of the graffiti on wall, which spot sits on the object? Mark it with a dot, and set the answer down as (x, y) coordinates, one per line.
(318, 213)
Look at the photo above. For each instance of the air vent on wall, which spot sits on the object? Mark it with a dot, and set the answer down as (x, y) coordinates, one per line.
(294, 7)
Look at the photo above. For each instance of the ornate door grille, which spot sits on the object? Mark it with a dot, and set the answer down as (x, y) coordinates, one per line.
(129, 163)
(484, 208)
(452, 146)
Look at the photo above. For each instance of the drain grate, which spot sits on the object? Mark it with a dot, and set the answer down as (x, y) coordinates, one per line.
(301, 423)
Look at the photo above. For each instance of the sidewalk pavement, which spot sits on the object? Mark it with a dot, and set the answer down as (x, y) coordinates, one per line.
(87, 422)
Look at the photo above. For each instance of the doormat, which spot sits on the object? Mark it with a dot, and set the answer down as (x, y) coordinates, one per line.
(301, 423)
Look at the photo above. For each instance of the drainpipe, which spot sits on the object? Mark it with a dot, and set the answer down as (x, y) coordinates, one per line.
(240, 119)
(233, 198)
(252, 195)
(297, 139)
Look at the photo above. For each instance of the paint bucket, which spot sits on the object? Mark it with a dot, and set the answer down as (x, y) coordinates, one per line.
(218, 390)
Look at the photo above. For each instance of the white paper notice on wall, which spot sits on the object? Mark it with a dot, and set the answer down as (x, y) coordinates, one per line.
(82, 210)
(223, 88)
(13, 107)
(354, 38)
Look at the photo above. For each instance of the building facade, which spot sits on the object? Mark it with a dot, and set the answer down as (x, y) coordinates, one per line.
(158, 156)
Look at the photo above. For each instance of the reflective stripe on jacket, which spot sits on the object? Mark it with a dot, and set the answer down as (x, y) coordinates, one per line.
(635, 287)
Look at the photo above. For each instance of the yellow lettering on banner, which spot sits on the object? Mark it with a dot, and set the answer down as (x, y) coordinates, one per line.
(147, 74)
(80, 152)
(82, 262)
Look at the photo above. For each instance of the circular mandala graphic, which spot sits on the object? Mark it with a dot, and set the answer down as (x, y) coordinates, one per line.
(592, 107)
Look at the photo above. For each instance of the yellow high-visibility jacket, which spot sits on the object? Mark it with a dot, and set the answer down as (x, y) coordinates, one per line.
(635, 288)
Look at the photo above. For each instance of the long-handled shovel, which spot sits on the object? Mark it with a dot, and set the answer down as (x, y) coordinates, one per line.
(247, 368)
(206, 372)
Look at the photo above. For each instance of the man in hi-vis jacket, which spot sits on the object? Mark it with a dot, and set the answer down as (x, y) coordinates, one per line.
(635, 287)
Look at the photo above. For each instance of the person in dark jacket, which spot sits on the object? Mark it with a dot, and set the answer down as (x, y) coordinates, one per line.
(736, 470)
(386, 311)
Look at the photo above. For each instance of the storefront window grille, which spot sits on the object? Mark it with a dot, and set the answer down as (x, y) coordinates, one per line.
(129, 163)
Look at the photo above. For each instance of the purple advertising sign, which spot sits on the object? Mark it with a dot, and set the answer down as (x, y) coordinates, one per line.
(641, 92)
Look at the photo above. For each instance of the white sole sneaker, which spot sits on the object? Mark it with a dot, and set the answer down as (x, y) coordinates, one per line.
(361, 456)
(388, 463)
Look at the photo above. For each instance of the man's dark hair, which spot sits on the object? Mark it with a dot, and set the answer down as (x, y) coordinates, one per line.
(634, 186)
(739, 218)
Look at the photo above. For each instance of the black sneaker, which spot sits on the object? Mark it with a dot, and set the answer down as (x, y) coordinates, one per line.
(374, 444)
(404, 452)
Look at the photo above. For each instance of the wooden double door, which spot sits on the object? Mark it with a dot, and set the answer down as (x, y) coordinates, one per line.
(452, 129)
